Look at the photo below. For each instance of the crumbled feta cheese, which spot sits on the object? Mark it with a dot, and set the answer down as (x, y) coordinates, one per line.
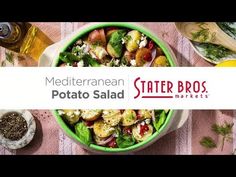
(147, 121)
(143, 42)
(77, 112)
(116, 62)
(111, 129)
(102, 53)
(61, 112)
(116, 135)
(69, 114)
(133, 62)
(138, 128)
(142, 123)
(123, 40)
(83, 46)
(80, 63)
(105, 112)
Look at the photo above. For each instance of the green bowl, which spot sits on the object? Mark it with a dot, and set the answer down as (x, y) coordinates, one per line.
(172, 60)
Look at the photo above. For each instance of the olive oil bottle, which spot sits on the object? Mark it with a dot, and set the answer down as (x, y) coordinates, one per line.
(23, 38)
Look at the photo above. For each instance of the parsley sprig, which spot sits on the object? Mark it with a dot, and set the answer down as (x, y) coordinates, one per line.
(9, 57)
(208, 142)
(224, 130)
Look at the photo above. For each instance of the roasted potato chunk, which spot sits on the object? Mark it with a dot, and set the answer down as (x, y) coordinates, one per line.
(160, 61)
(128, 117)
(143, 55)
(103, 130)
(145, 114)
(112, 117)
(71, 116)
(90, 114)
(133, 39)
(141, 137)
(97, 37)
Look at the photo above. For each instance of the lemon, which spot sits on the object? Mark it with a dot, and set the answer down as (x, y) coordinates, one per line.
(227, 63)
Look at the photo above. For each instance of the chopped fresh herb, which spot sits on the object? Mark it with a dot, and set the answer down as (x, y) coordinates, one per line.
(229, 28)
(203, 34)
(208, 142)
(76, 50)
(9, 57)
(225, 131)
(127, 38)
(68, 57)
(215, 52)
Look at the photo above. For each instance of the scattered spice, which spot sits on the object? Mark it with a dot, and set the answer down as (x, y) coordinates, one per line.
(13, 126)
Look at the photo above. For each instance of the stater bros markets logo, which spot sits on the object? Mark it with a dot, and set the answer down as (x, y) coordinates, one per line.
(181, 89)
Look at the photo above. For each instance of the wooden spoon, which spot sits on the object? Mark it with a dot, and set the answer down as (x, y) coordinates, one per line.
(206, 32)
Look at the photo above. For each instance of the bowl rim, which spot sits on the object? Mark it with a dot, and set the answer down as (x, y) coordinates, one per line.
(170, 57)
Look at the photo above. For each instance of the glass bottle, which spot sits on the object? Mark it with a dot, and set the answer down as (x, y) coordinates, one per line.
(23, 38)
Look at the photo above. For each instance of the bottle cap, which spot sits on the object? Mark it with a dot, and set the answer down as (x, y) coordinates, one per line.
(5, 30)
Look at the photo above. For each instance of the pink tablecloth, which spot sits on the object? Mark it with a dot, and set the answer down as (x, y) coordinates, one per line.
(50, 139)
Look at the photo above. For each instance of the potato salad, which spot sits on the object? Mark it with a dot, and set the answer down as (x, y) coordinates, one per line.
(113, 47)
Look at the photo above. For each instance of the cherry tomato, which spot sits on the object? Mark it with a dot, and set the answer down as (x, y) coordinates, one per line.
(139, 116)
(151, 45)
(147, 57)
(143, 128)
(127, 130)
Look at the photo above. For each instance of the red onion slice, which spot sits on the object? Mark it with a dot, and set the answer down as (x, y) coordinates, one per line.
(103, 142)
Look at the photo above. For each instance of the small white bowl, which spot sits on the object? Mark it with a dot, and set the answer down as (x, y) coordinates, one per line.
(26, 139)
